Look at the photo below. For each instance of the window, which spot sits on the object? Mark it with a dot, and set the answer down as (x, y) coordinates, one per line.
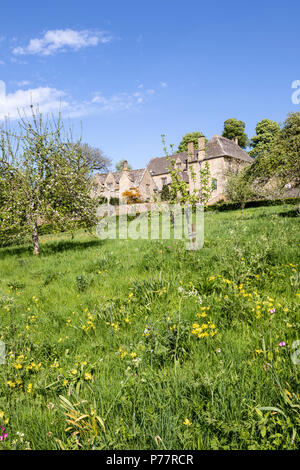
(109, 185)
(163, 181)
(214, 184)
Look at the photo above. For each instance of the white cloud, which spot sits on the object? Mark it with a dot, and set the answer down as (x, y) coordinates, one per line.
(163, 84)
(2, 62)
(52, 100)
(48, 100)
(62, 39)
(22, 83)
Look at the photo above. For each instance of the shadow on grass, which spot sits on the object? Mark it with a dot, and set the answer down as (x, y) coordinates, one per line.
(292, 213)
(50, 248)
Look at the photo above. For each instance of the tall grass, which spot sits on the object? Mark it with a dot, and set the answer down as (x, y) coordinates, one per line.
(144, 345)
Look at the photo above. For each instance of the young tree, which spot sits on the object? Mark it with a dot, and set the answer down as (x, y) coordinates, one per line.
(189, 137)
(181, 194)
(238, 188)
(234, 128)
(43, 179)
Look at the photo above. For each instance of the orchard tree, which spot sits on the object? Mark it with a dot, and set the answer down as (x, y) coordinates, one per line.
(280, 161)
(266, 133)
(238, 188)
(43, 179)
(181, 194)
(234, 128)
(189, 137)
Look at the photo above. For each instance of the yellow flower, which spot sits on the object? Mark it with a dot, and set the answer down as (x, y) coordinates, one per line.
(29, 388)
(133, 355)
(187, 422)
(17, 365)
(88, 376)
(74, 371)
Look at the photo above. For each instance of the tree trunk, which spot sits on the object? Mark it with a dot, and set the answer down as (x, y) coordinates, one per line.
(35, 240)
(192, 233)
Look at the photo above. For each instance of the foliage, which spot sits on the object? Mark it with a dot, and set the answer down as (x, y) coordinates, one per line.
(280, 162)
(180, 189)
(132, 196)
(93, 157)
(121, 362)
(189, 137)
(42, 179)
(235, 128)
(261, 143)
(165, 193)
(238, 189)
(119, 166)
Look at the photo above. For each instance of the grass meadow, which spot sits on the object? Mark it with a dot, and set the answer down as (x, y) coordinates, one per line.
(144, 345)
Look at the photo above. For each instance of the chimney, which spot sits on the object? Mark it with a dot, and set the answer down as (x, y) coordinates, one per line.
(190, 151)
(201, 148)
(236, 140)
(125, 165)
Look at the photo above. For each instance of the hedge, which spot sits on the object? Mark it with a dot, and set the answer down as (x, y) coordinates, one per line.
(230, 206)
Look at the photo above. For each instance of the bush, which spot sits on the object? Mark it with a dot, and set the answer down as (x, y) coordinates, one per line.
(230, 206)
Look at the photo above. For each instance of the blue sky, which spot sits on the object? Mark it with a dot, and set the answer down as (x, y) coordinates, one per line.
(132, 70)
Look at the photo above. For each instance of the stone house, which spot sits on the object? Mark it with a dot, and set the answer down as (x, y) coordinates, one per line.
(116, 183)
(221, 154)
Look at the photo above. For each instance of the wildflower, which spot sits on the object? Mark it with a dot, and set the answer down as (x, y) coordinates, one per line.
(272, 311)
(187, 422)
(88, 376)
(29, 388)
(281, 344)
(74, 371)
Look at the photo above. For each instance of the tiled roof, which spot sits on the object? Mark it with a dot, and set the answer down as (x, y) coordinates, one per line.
(134, 175)
(160, 165)
(219, 146)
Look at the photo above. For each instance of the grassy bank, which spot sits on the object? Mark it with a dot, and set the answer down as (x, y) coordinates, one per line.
(144, 345)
